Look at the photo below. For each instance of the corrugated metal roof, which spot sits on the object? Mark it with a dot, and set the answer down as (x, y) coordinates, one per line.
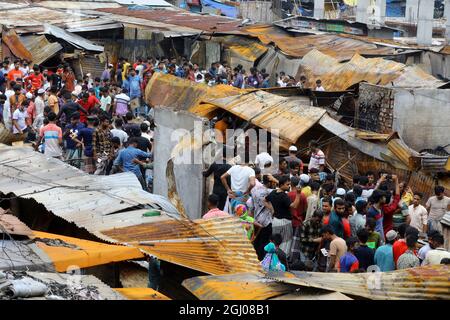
(182, 94)
(85, 253)
(216, 246)
(80, 5)
(341, 48)
(12, 225)
(12, 40)
(244, 286)
(41, 49)
(272, 112)
(141, 294)
(72, 38)
(18, 255)
(337, 76)
(430, 282)
(207, 23)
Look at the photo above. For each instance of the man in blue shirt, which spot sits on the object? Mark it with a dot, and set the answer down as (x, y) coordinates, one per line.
(384, 255)
(130, 157)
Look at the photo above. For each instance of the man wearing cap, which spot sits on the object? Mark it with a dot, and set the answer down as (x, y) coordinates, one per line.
(384, 256)
(292, 157)
(106, 75)
(39, 102)
(69, 107)
(304, 184)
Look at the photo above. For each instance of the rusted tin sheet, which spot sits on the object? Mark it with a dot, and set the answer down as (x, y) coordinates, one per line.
(341, 48)
(214, 246)
(272, 112)
(12, 225)
(408, 156)
(181, 94)
(205, 23)
(245, 286)
(12, 40)
(337, 76)
(430, 282)
(423, 183)
(41, 49)
(141, 294)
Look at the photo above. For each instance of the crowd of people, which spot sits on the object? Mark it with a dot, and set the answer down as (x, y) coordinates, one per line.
(299, 217)
(296, 212)
(87, 121)
(100, 125)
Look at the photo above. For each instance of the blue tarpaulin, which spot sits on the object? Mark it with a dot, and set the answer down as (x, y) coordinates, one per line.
(227, 10)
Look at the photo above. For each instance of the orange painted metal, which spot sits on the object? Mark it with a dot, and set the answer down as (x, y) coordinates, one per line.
(214, 246)
(85, 253)
(141, 294)
(11, 39)
(245, 286)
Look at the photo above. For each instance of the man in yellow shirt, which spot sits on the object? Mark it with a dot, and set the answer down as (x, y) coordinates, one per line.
(126, 66)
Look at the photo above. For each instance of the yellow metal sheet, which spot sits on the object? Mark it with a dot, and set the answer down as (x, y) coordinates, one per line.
(181, 94)
(430, 282)
(141, 294)
(214, 246)
(87, 253)
(337, 76)
(246, 286)
(342, 48)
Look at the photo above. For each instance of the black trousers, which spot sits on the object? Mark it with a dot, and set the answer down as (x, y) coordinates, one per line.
(262, 240)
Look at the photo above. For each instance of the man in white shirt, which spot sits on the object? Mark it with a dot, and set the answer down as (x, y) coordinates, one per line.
(263, 160)
(118, 131)
(437, 206)
(39, 102)
(19, 120)
(7, 107)
(317, 159)
(417, 214)
(435, 256)
(243, 179)
(319, 86)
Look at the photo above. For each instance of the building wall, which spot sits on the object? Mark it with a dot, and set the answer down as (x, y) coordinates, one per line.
(189, 178)
(375, 108)
(257, 11)
(422, 117)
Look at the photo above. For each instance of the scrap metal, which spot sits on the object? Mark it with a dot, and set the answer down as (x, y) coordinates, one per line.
(113, 209)
(243, 286)
(141, 294)
(340, 76)
(429, 282)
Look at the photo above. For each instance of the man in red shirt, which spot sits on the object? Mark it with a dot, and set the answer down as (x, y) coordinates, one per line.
(88, 101)
(399, 247)
(299, 212)
(390, 207)
(36, 80)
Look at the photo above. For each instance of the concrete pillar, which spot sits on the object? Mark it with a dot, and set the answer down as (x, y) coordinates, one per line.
(381, 4)
(411, 10)
(447, 23)
(319, 9)
(425, 22)
(361, 11)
